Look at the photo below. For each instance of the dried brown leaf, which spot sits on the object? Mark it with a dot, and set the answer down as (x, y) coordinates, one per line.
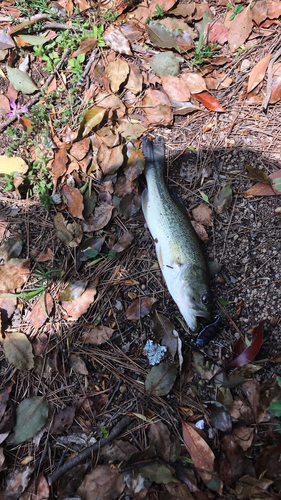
(273, 9)
(14, 274)
(276, 84)
(104, 483)
(117, 72)
(86, 46)
(124, 186)
(80, 149)
(259, 11)
(59, 164)
(176, 88)
(135, 80)
(132, 30)
(201, 231)
(4, 398)
(63, 420)
(78, 364)
(195, 83)
(202, 457)
(135, 165)
(114, 37)
(97, 335)
(240, 28)
(111, 101)
(75, 308)
(261, 189)
(243, 436)
(258, 72)
(69, 234)
(74, 201)
(43, 256)
(123, 242)
(200, 8)
(140, 308)
(203, 214)
(183, 9)
(101, 217)
(110, 159)
(157, 107)
(129, 205)
(41, 311)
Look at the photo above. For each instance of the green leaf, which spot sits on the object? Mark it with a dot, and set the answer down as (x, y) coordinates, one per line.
(224, 302)
(31, 416)
(278, 380)
(275, 408)
(204, 196)
(277, 183)
(160, 379)
(144, 418)
(237, 9)
(165, 63)
(21, 80)
(205, 20)
(34, 40)
(111, 254)
(91, 252)
(160, 36)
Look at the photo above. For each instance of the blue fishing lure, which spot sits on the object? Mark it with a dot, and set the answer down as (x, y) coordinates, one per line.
(208, 333)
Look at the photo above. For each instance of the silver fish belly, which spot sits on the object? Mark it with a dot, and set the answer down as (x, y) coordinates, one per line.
(178, 248)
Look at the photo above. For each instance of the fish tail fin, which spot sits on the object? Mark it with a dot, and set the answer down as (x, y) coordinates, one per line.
(154, 153)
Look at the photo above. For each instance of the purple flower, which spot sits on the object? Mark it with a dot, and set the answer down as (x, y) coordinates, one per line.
(15, 109)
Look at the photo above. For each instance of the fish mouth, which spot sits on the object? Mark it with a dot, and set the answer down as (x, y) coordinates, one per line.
(199, 310)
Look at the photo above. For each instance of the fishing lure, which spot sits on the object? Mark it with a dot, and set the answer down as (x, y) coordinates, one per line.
(208, 333)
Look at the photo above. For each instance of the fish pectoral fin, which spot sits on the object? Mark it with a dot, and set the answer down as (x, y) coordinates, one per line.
(145, 202)
(159, 255)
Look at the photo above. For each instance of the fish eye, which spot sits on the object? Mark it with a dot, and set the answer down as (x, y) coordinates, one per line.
(205, 299)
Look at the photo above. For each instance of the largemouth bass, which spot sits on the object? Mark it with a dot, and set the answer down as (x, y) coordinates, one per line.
(178, 248)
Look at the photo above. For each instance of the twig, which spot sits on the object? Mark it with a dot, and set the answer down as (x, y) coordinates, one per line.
(269, 79)
(87, 67)
(64, 27)
(38, 95)
(83, 455)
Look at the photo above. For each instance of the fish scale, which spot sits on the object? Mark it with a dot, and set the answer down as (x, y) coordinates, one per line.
(178, 248)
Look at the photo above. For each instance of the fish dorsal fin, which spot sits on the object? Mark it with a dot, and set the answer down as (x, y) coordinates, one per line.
(180, 204)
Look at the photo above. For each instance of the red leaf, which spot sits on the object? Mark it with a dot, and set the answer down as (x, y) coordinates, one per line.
(202, 457)
(242, 356)
(209, 101)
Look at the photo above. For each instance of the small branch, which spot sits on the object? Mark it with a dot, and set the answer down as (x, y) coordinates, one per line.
(85, 454)
(269, 79)
(87, 67)
(37, 96)
(64, 27)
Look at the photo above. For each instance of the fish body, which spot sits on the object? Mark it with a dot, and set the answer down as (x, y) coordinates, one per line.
(178, 248)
